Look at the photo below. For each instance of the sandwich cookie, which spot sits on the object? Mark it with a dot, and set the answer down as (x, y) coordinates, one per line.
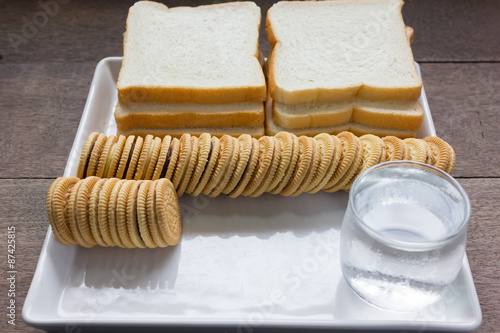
(112, 213)
(245, 149)
(129, 171)
(266, 153)
(93, 212)
(249, 170)
(306, 151)
(144, 156)
(103, 159)
(82, 209)
(352, 171)
(168, 211)
(439, 155)
(285, 140)
(163, 159)
(417, 150)
(153, 223)
(71, 209)
(142, 214)
(186, 147)
(193, 160)
(132, 217)
(152, 159)
(327, 148)
(125, 156)
(271, 172)
(313, 167)
(371, 154)
(172, 161)
(226, 153)
(85, 155)
(336, 154)
(394, 149)
(213, 157)
(57, 209)
(114, 157)
(228, 173)
(121, 214)
(291, 166)
(103, 211)
(96, 154)
(349, 146)
(205, 146)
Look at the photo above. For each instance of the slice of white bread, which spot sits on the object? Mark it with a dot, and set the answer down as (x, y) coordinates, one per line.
(207, 54)
(151, 115)
(396, 115)
(359, 129)
(256, 132)
(329, 51)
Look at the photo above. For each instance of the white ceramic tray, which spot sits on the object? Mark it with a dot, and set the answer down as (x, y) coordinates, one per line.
(241, 264)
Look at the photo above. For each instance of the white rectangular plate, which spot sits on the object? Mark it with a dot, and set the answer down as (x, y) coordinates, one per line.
(245, 263)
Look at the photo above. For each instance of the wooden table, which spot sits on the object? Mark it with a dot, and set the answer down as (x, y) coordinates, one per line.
(47, 62)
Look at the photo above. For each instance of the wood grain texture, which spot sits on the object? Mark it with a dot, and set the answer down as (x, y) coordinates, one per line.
(463, 99)
(23, 206)
(87, 31)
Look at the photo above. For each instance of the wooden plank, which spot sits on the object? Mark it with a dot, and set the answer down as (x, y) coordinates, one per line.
(464, 100)
(87, 31)
(23, 206)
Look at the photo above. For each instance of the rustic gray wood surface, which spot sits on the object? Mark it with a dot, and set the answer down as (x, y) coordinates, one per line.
(45, 74)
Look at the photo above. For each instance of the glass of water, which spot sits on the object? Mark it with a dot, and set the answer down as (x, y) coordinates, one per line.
(403, 235)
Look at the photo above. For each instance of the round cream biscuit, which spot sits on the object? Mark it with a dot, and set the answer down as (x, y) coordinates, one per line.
(294, 158)
(306, 150)
(82, 209)
(152, 159)
(286, 148)
(245, 149)
(163, 158)
(417, 150)
(213, 157)
(132, 219)
(168, 211)
(144, 155)
(371, 153)
(266, 153)
(349, 146)
(271, 171)
(330, 145)
(121, 214)
(96, 154)
(228, 173)
(93, 212)
(102, 211)
(134, 158)
(112, 213)
(125, 157)
(85, 155)
(114, 157)
(186, 147)
(439, 154)
(174, 157)
(394, 149)
(104, 157)
(154, 227)
(72, 220)
(57, 210)
(326, 147)
(451, 164)
(312, 170)
(249, 170)
(204, 143)
(193, 160)
(142, 214)
(226, 152)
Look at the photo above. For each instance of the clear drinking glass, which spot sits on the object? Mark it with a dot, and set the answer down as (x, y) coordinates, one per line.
(403, 235)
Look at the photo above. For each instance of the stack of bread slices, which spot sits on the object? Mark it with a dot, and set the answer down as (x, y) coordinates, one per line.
(341, 65)
(191, 70)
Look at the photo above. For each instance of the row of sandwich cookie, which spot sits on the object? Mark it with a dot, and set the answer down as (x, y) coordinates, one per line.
(282, 164)
(113, 212)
